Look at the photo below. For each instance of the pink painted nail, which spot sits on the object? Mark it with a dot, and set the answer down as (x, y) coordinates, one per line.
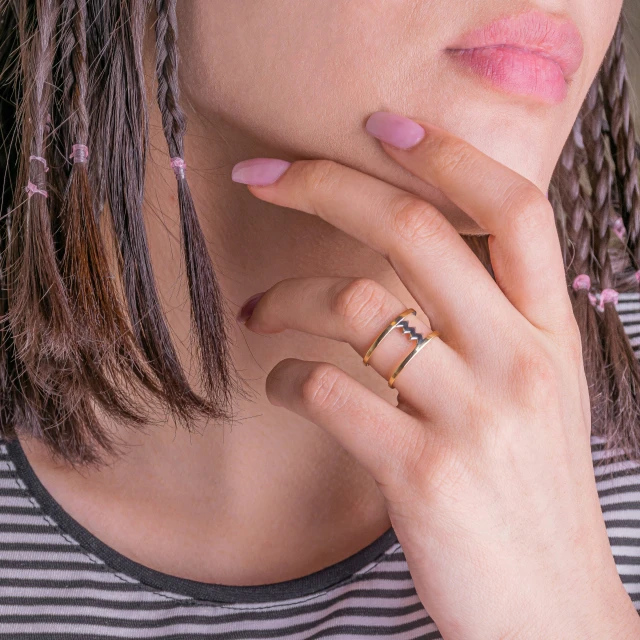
(247, 308)
(259, 171)
(396, 130)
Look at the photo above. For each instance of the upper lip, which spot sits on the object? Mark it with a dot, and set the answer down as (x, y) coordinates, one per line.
(541, 33)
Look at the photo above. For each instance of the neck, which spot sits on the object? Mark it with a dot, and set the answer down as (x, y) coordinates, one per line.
(271, 480)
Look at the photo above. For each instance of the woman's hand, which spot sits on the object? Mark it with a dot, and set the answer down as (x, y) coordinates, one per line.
(485, 464)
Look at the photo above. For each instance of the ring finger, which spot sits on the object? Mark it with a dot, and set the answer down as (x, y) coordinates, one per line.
(356, 311)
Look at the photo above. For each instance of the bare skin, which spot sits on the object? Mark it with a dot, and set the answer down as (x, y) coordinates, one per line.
(276, 497)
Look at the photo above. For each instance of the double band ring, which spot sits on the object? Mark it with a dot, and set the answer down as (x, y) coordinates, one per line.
(400, 323)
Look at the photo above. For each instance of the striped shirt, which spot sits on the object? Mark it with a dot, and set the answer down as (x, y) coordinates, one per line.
(60, 582)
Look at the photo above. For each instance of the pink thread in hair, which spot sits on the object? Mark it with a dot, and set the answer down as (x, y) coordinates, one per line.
(592, 299)
(178, 165)
(40, 159)
(638, 276)
(79, 153)
(582, 281)
(32, 188)
(618, 228)
(607, 295)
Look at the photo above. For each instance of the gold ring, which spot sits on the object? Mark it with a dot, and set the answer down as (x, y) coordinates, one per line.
(422, 342)
(392, 325)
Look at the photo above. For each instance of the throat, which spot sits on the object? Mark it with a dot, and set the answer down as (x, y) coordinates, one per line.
(260, 514)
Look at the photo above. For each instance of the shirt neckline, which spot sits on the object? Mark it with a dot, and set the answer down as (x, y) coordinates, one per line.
(327, 578)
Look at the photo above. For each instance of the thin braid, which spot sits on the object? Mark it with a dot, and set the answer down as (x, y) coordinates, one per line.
(173, 119)
(207, 303)
(575, 201)
(603, 178)
(38, 310)
(77, 83)
(623, 411)
(623, 141)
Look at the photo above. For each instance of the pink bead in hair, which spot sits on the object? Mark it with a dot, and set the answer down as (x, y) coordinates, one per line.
(178, 165)
(582, 281)
(607, 295)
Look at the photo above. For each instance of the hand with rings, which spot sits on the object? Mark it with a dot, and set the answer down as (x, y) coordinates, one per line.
(485, 463)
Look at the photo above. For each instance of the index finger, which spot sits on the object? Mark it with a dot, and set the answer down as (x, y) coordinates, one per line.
(431, 259)
(525, 248)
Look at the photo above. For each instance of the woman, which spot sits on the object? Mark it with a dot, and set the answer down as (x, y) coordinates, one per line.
(171, 473)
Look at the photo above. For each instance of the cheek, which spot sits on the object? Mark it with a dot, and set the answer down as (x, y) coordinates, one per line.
(598, 21)
(303, 76)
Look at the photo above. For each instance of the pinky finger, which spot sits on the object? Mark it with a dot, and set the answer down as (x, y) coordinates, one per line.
(383, 438)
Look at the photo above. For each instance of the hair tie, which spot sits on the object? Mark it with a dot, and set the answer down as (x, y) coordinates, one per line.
(582, 281)
(607, 295)
(638, 275)
(619, 229)
(178, 165)
(40, 159)
(32, 188)
(79, 153)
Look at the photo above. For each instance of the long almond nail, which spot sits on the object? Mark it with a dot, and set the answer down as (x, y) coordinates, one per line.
(394, 129)
(259, 171)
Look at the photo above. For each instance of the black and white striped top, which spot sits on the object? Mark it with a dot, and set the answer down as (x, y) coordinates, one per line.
(58, 581)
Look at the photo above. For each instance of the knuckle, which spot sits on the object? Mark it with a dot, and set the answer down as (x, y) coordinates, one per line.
(414, 222)
(359, 301)
(323, 388)
(534, 375)
(320, 176)
(439, 472)
(530, 210)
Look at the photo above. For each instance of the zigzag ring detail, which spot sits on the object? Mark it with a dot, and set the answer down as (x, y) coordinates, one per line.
(400, 323)
(387, 330)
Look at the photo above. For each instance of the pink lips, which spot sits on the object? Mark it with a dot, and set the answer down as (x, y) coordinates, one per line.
(531, 54)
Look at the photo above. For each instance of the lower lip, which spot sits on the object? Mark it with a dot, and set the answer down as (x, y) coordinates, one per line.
(517, 71)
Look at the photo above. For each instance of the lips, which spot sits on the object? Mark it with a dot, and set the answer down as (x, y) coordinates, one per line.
(533, 53)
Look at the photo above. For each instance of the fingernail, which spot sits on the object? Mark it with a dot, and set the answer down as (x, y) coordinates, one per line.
(396, 130)
(259, 171)
(247, 308)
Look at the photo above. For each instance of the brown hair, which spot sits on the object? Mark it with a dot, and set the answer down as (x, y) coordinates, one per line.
(82, 332)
